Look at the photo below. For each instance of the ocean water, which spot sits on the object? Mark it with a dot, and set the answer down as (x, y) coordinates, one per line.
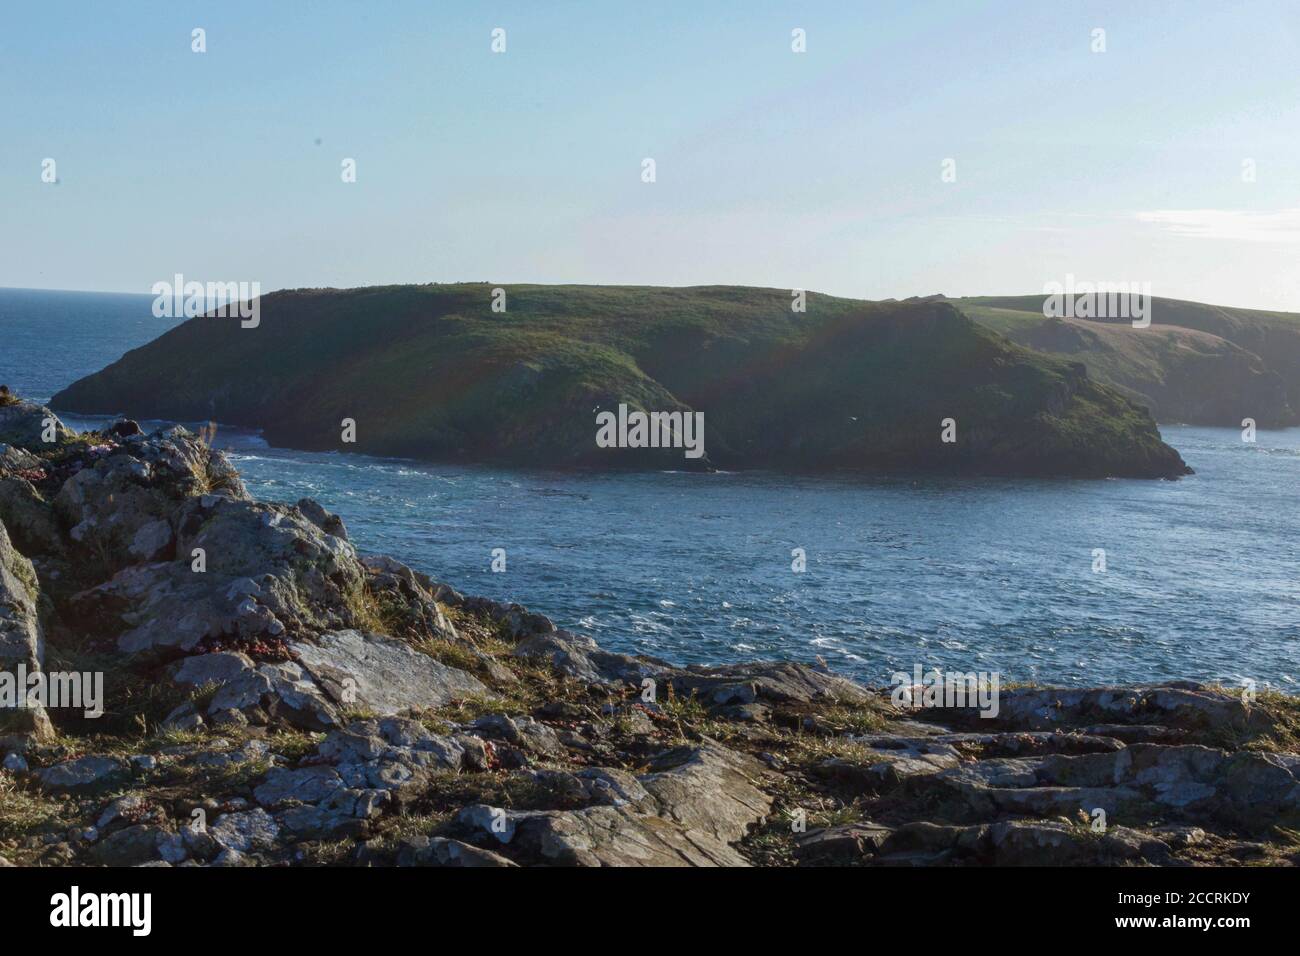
(1202, 575)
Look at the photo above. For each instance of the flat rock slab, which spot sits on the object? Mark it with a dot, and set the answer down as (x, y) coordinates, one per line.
(778, 682)
(705, 796)
(83, 775)
(709, 788)
(439, 851)
(1173, 706)
(616, 836)
(384, 675)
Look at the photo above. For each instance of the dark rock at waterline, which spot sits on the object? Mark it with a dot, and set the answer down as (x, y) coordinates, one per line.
(126, 428)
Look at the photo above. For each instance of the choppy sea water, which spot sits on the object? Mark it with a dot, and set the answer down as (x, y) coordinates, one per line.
(1202, 575)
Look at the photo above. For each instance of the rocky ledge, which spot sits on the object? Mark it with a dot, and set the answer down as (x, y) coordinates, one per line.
(272, 697)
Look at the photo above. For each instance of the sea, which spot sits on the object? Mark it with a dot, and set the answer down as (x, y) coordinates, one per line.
(1067, 582)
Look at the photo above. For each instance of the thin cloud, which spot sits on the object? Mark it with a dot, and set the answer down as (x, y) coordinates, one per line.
(1282, 225)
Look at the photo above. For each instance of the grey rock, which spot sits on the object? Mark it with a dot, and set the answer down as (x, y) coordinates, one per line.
(327, 522)
(303, 579)
(514, 621)
(131, 846)
(497, 822)
(474, 752)
(250, 751)
(528, 734)
(440, 851)
(381, 674)
(841, 845)
(1138, 733)
(1177, 706)
(172, 849)
(130, 808)
(577, 655)
(227, 718)
(152, 541)
(1244, 789)
(774, 682)
(1024, 843)
(302, 785)
(754, 713)
(183, 718)
(22, 638)
(393, 739)
(121, 504)
(24, 424)
(199, 843)
(13, 458)
(613, 787)
(282, 691)
(83, 775)
(708, 788)
(247, 832)
(618, 836)
(605, 786)
(327, 822)
(703, 799)
(217, 668)
(25, 512)
(923, 838)
(1179, 837)
(230, 858)
(422, 599)
(15, 763)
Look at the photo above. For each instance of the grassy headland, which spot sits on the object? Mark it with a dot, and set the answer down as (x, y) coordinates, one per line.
(432, 372)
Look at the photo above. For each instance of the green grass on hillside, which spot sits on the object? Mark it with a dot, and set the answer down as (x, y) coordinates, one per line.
(431, 371)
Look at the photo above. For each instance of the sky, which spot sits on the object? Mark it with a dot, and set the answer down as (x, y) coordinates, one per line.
(821, 170)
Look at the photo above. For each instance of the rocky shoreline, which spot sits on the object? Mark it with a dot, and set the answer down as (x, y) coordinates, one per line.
(274, 698)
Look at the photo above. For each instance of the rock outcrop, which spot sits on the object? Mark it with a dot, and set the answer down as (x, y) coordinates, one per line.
(276, 698)
(22, 640)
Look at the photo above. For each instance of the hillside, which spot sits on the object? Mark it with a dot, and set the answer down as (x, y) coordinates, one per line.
(432, 372)
(1196, 364)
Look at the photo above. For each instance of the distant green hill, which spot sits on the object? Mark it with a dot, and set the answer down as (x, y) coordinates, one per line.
(431, 372)
(1195, 364)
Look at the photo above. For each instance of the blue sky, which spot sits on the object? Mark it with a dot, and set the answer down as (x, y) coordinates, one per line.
(819, 170)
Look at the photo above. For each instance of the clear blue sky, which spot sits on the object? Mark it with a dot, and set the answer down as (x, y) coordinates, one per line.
(818, 170)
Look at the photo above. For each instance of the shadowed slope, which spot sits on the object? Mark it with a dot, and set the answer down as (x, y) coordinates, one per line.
(1196, 364)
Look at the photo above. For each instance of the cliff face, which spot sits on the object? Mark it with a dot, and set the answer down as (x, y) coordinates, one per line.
(432, 372)
(274, 697)
(1195, 364)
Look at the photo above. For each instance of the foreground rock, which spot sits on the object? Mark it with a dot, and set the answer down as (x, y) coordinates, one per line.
(275, 698)
(29, 426)
(22, 641)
